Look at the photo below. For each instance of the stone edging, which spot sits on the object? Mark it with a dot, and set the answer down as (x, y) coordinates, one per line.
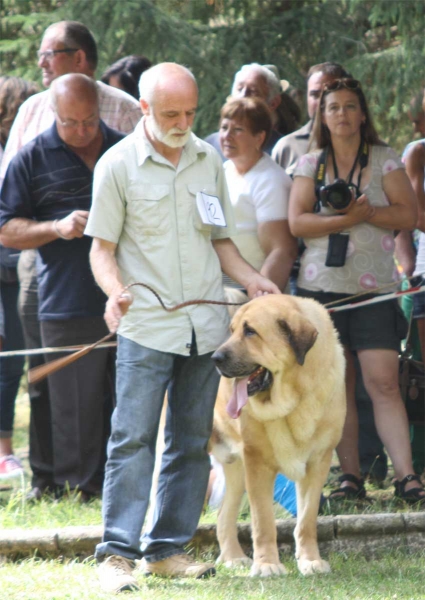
(368, 534)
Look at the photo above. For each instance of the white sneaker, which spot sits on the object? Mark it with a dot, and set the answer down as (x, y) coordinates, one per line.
(179, 565)
(116, 574)
(10, 466)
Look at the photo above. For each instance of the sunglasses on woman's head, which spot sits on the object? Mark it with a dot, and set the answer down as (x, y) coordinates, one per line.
(338, 84)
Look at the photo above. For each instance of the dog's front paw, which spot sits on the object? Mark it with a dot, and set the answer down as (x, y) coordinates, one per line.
(310, 567)
(234, 563)
(267, 569)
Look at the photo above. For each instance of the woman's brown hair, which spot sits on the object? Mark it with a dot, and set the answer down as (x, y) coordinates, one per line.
(253, 112)
(321, 136)
(13, 92)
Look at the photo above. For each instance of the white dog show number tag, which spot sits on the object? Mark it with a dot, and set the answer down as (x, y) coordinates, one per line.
(210, 210)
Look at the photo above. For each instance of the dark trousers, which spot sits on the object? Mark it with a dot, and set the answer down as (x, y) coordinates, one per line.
(11, 368)
(77, 405)
(40, 433)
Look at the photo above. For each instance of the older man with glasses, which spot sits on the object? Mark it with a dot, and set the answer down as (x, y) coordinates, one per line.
(66, 47)
(45, 203)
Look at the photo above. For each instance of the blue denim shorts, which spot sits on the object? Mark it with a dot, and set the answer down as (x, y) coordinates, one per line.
(381, 325)
(419, 305)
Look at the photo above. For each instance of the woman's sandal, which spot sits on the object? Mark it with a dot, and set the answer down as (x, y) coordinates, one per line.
(411, 496)
(347, 492)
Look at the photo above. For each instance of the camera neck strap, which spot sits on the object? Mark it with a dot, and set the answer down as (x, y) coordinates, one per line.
(362, 157)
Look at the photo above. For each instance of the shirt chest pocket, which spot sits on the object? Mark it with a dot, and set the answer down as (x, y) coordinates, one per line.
(194, 188)
(147, 208)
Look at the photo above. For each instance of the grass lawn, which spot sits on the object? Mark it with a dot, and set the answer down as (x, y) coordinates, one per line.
(397, 576)
(394, 576)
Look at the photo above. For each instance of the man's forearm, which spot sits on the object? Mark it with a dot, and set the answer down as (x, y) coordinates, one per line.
(277, 267)
(105, 268)
(232, 263)
(23, 234)
(238, 269)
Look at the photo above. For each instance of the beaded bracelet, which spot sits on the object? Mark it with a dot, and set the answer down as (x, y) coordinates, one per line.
(56, 228)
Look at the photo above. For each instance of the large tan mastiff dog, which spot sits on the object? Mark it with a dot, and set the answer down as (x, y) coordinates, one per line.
(280, 408)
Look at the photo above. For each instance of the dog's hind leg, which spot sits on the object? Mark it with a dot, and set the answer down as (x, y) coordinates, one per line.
(308, 499)
(231, 553)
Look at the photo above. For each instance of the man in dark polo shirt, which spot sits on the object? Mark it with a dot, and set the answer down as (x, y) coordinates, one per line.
(45, 203)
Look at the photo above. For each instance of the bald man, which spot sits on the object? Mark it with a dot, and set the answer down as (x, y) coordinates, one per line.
(66, 47)
(45, 203)
(148, 225)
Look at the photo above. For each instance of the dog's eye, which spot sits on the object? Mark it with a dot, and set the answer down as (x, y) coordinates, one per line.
(248, 331)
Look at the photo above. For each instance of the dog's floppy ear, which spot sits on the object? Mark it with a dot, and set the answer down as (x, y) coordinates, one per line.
(301, 338)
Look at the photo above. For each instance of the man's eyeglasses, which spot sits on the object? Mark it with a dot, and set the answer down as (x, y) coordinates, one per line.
(49, 54)
(338, 84)
(71, 124)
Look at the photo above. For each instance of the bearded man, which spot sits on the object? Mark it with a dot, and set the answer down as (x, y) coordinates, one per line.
(147, 225)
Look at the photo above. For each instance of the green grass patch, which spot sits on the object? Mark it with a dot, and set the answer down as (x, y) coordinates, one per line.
(395, 576)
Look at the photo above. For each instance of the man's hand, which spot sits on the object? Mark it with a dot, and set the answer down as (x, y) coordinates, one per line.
(73, 225)
(116, 307)
(238, 269)
(259, 286)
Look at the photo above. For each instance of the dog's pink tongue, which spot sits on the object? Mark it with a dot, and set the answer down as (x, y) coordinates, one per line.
(238, 398)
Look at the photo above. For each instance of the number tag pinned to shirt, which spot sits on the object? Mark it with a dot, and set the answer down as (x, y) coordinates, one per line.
(210, 210)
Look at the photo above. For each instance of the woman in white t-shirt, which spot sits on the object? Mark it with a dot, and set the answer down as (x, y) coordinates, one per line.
(259, 190)
(349, 249)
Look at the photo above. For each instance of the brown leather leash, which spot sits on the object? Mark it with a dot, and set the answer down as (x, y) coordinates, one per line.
(182, 304)
(38, 373)
(41, 372)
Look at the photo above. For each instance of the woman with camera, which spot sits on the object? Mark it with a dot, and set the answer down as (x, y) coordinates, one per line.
(347, 199)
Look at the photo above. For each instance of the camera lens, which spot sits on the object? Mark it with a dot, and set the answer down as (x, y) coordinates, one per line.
(338, 194)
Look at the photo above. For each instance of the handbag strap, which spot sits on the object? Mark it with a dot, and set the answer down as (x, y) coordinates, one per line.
(408, 351)
(408, 345)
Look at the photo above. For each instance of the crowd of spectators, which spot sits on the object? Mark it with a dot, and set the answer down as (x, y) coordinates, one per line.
(95, 197)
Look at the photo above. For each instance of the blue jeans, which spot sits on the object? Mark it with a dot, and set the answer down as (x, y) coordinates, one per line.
(143, 377)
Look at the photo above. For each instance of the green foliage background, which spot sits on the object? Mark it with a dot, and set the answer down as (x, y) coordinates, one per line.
(380, 41)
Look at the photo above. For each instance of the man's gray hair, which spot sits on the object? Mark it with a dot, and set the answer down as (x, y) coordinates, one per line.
(76, 83)
(153, 76)
(270, 78)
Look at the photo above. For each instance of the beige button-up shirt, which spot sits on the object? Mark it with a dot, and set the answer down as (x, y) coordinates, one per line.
(146, 206)
(291, 147)
(119, 110)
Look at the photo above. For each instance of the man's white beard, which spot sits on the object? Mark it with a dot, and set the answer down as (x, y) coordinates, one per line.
(168, 138)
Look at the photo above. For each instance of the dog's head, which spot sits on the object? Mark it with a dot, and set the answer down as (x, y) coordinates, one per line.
(268, 336)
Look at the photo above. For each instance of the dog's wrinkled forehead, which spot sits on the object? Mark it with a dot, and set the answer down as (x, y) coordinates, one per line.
(262, 312)
(243, 315)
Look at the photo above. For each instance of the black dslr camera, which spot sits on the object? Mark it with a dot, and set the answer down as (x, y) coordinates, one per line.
(337, 194)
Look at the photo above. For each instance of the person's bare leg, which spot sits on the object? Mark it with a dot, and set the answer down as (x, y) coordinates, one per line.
(348, 448)
(6, 446)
